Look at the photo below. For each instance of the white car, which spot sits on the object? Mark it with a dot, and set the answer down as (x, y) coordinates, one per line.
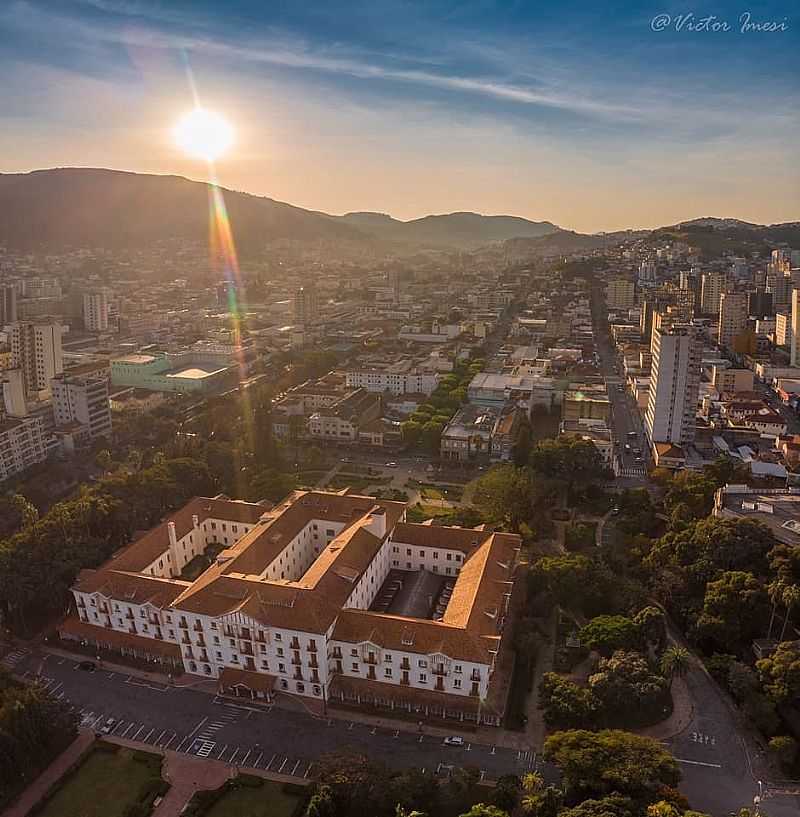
(453, 740)
(108, 727)
(391, 465)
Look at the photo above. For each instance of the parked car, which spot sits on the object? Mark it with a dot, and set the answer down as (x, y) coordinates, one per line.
(87, 666)
(108, 727)
(453, 740)
(391, 465)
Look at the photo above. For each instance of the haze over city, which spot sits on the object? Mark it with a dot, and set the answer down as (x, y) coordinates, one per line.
(580, 114)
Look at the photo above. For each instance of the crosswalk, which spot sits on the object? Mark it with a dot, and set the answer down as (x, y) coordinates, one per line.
(228, 715)
(11, 659)
(632, 471)
(526, 760)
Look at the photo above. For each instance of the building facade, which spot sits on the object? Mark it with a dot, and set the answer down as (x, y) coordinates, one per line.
(36, 351)
(620, 294)
(733, 318)
(95, 311)
(674, 385)
(82, 399)
(294, 600)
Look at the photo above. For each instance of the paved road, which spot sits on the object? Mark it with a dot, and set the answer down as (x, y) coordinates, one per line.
(275, 739)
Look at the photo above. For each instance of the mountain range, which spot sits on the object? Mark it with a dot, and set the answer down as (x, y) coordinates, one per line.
(87, 207)
(73, 208)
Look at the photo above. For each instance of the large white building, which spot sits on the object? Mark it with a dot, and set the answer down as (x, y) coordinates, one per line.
(674, 385)
(713, 284)
(36, 350)
(82, 399)
(395, 380)
(793, 333)
(295, 599)
(95, 311)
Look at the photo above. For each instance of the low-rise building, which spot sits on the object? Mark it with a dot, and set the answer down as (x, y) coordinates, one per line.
(295, 600)
(22, 445)
(342, 420)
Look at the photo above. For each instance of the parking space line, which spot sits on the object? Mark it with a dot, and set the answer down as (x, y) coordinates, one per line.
(295, 768)
(244, 759)
(258, 760)
(235, 752)
(224, 749)
(178, 747)
(117, 725)
(141, 728)
(125, 733)
(285, 760)
(158, 739)
(270, 762)
(99, 718)
(166, 745)
(148, 734)
(308, 770)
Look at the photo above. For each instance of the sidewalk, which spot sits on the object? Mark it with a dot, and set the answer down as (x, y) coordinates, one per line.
(39, 787)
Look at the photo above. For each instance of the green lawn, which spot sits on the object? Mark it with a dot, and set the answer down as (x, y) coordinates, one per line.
(267, 800)
(106, 784)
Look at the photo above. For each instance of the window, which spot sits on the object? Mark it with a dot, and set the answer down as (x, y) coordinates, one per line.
(353, 652)
(449, 556)
(458, 557)
(279, 651)
(232, 642)
(395, 549)
(281, 668)
(219, 655)
(235, 658)
(277, 636)
(408, 565)
(456, 683)
(435, 554)
(387, 672)
(408, 551)
(423, 678)
(457, 669)
(388, 658)
(213, 624)
(216, 639)
(355, 666)
(422, 664)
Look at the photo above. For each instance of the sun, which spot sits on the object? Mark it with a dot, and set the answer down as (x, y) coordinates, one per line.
(203, 134)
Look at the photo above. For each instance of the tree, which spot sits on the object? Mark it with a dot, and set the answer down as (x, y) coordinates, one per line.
(628, 691)
(608, 633)
(322, 804)
(505, 494)
(780, 672)
(571, 460)
(506, 792)
(675, 662)
(565, 704)
(733, 610)
(484, 810)
(614, 805)
(791, 598)
(596, 764)
(785, 750)
(652, 627)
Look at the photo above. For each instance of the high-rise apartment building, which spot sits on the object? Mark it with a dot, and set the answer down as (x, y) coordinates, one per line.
(620, 294)
(36, 349)
(648, 274)
(732, 318)
(794, 335)
(82, 399)
(95, 311)
(674, 385)
(306, 305)
(8, 305)
(714, 283)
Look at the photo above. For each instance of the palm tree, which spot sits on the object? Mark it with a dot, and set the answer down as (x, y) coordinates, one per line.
(791, 596)
(539, 800)
(675, 662)
(775, 591)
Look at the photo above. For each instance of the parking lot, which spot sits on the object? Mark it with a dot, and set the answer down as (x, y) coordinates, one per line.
(270, 738)
(418, 594)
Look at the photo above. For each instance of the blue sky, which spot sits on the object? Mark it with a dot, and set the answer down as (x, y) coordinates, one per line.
(579, 113)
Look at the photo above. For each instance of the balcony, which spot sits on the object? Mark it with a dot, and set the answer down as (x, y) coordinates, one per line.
(476, 676)
(154, 620)
(297, 661)
(246, 649)
(313, 662)
(440, 670)
(312, 647)
(295, 645)
(371, 659)
(129, 615)
(298, 676)
(405, 664)
(186, 639)
(229, 632)
(183, 624)
(198, 627)
(201, 642)
(337, 653)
